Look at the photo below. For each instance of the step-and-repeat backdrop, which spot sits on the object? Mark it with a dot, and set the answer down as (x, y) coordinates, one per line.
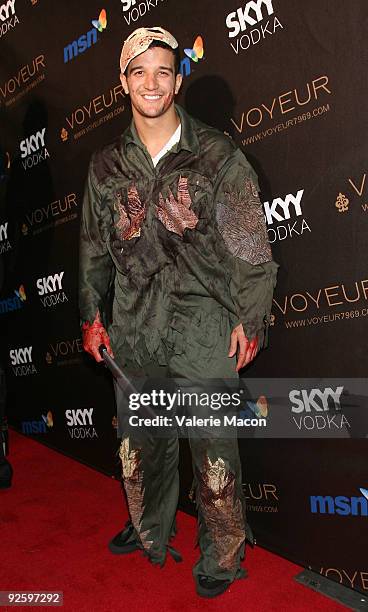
(287, 81)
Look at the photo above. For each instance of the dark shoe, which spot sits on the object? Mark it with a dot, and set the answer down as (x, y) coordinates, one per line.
(6, 473)
(123, 543)
(211, 587)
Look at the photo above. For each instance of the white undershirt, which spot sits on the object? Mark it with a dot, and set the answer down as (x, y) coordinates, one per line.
(169, 145)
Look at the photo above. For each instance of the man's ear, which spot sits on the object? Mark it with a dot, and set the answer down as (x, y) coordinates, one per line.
(124, 83)
(178, 82)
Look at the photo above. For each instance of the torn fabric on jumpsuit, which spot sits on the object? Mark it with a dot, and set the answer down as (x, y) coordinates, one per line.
(163, 246)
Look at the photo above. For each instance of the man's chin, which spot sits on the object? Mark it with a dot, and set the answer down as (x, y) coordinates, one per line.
(152, 112)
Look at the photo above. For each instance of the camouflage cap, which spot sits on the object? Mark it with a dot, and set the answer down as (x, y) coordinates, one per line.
(139, 41)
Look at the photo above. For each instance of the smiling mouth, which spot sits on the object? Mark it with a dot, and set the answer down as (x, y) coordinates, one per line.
(151, 97)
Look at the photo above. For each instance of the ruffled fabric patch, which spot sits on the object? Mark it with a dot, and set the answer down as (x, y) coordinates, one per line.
(176, 214)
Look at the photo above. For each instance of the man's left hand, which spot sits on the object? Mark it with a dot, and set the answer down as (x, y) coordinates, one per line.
(247, 349)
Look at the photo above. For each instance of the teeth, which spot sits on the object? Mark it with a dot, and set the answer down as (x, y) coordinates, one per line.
(152, 97)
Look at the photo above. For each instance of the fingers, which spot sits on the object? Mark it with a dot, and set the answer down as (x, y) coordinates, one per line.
(255, 352)
(95, 335)
(92, 340)
(252, 350)
(96, 355)
(247, 351)
(248, 357)
(233, 343)
(92, 349)
(106, 341)
(239, 342)
(243, 344)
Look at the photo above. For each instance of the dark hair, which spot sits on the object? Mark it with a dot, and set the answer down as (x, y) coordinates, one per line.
(175, 52)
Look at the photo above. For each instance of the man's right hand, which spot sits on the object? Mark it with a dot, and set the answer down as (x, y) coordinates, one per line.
(93, 336)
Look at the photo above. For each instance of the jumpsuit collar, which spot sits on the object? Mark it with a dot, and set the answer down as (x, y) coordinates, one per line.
(188, 139)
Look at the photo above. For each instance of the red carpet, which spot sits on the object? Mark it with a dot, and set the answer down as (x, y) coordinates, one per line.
(55, 522)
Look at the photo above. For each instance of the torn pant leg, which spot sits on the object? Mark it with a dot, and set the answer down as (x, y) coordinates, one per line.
(221, 508)
(149, 472)
(151, 482)
(202, 343)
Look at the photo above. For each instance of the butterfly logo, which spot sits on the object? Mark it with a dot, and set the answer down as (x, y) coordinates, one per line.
(197, 52)
(48, 419)
(21, 294)
(100, 23)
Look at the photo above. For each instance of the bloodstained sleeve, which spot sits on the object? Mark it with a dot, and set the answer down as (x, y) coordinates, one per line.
(96, 269)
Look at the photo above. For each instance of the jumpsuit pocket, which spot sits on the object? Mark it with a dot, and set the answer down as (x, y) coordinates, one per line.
(196, 335)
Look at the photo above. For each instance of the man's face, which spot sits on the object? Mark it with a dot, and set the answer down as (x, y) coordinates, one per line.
(151, 83)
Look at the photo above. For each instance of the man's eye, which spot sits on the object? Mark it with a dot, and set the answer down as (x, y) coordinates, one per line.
(164, 73)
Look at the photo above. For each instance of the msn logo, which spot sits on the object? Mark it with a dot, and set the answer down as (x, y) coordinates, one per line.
(33, 427)
(185, 68)
(80, 45)
(341, 505)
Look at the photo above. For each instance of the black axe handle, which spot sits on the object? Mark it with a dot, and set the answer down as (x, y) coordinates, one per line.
(123, 381)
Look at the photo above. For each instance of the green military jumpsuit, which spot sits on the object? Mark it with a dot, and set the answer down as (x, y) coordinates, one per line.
(172, 258)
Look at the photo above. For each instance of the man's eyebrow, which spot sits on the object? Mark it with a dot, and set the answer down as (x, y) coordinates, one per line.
(159, 68)
(166, 68)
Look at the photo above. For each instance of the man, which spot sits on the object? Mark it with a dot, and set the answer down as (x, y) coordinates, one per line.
(174, 232)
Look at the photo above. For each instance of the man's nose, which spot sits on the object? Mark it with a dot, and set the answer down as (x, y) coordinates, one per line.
(150, 82)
